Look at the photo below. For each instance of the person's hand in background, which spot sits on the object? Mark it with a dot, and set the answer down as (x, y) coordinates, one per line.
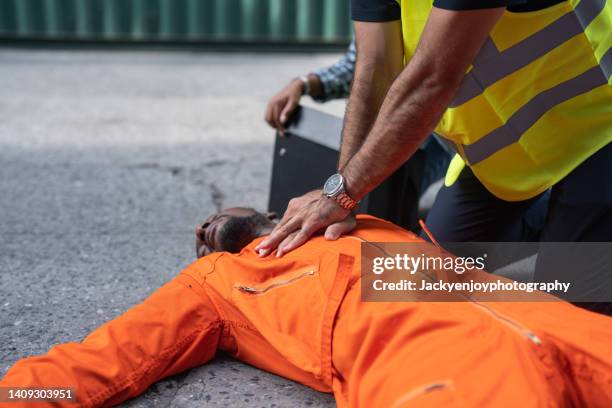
(282, 105)
(324, 84)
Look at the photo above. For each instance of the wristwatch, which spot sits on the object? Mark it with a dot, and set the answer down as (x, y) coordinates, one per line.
(334, 189)
(305, 85)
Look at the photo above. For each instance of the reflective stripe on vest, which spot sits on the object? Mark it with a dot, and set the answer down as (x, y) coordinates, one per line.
(537, 100)
(529, 114)
(491, 66)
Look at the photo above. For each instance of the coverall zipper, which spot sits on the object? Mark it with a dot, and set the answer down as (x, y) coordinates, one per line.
(252, 290)
(517, 327)
(423, 389)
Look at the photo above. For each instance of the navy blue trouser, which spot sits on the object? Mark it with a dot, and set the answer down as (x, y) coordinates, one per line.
(576, 209)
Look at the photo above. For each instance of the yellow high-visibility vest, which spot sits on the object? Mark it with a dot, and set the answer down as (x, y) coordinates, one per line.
(537, 100)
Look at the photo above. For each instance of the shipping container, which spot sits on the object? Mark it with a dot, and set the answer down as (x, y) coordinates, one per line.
(189, 21)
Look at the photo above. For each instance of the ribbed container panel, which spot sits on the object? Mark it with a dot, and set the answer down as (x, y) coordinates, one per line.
(241, 21)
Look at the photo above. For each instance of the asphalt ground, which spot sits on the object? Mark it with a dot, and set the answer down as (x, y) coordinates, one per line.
(107, 162)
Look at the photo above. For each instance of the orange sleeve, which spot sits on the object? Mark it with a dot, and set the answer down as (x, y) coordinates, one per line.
(175, 329)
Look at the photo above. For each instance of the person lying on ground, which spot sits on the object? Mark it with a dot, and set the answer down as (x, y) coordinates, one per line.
(302, 317)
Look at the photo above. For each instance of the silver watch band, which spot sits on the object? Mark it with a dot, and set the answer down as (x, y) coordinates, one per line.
(306, 88)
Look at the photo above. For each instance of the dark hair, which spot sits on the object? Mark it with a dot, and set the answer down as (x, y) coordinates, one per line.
(238, 232)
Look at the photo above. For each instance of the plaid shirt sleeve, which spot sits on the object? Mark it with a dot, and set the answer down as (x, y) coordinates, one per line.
(336, 79)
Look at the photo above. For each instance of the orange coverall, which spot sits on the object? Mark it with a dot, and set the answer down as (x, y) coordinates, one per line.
(301, 317)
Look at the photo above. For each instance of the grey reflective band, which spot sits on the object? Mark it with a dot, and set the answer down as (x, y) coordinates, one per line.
(587, 10)
(606, 63)
(491, 65)
(447, 144)
(531, 112)
(470, 88)
(488, 50)
(490, 69)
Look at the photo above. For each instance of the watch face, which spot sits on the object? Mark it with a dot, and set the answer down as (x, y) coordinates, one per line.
(333, 184)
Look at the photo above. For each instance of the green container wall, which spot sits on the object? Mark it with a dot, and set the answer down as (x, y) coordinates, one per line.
(309, 21)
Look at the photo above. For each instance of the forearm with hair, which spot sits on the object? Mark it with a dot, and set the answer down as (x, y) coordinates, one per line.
(413, 107)
(370, 85)
(417, 99)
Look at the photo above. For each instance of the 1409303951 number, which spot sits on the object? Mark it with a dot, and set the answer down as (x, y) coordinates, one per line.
(8, 394)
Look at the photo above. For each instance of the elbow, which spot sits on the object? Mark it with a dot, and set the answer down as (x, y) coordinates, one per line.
(438, 92)
(441, 83)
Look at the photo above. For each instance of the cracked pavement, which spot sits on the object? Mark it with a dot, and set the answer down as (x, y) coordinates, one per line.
(108, 161)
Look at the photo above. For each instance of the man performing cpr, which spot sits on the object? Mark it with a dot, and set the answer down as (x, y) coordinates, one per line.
(302, 316)
(521, 90)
